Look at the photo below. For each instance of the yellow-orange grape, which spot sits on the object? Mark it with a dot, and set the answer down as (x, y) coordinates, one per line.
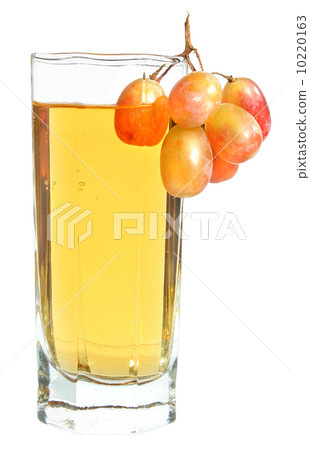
(222, 170)
(194, 98)
(233, 133)
(185, 161)
(141, 115)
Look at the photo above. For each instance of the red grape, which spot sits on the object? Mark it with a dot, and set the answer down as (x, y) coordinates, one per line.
(246, 94)
(233, 134)
(194, 98)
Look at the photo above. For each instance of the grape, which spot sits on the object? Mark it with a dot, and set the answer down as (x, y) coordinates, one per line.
(246, 94)
(222, 170)
(233, 134)
(141, 115)
(185, 161)
(194, 98)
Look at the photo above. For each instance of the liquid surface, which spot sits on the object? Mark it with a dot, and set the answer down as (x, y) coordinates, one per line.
(106, 296)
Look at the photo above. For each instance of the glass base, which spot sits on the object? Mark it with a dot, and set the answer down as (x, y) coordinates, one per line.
(86, 406)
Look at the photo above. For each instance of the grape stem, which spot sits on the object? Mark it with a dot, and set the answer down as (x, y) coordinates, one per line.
(155, 76)
(189, 48)
(229, 78)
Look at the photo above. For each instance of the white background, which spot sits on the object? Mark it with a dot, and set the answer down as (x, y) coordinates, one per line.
(242, 384)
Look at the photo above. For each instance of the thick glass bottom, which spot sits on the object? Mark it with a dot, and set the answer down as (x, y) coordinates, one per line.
(86, 406)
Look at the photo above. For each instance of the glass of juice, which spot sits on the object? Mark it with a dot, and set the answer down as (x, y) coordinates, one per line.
(108, 250)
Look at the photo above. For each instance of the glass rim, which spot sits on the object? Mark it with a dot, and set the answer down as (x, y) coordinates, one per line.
(112, 58)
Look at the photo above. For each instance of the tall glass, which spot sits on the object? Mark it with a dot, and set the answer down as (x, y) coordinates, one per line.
(107, 258)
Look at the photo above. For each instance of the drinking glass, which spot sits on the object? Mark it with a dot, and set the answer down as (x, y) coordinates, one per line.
(107, 251)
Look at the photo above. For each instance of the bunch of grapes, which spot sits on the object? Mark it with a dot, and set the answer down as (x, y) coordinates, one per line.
(214, 130)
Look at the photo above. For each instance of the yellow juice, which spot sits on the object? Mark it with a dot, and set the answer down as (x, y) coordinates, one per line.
(106, 300)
